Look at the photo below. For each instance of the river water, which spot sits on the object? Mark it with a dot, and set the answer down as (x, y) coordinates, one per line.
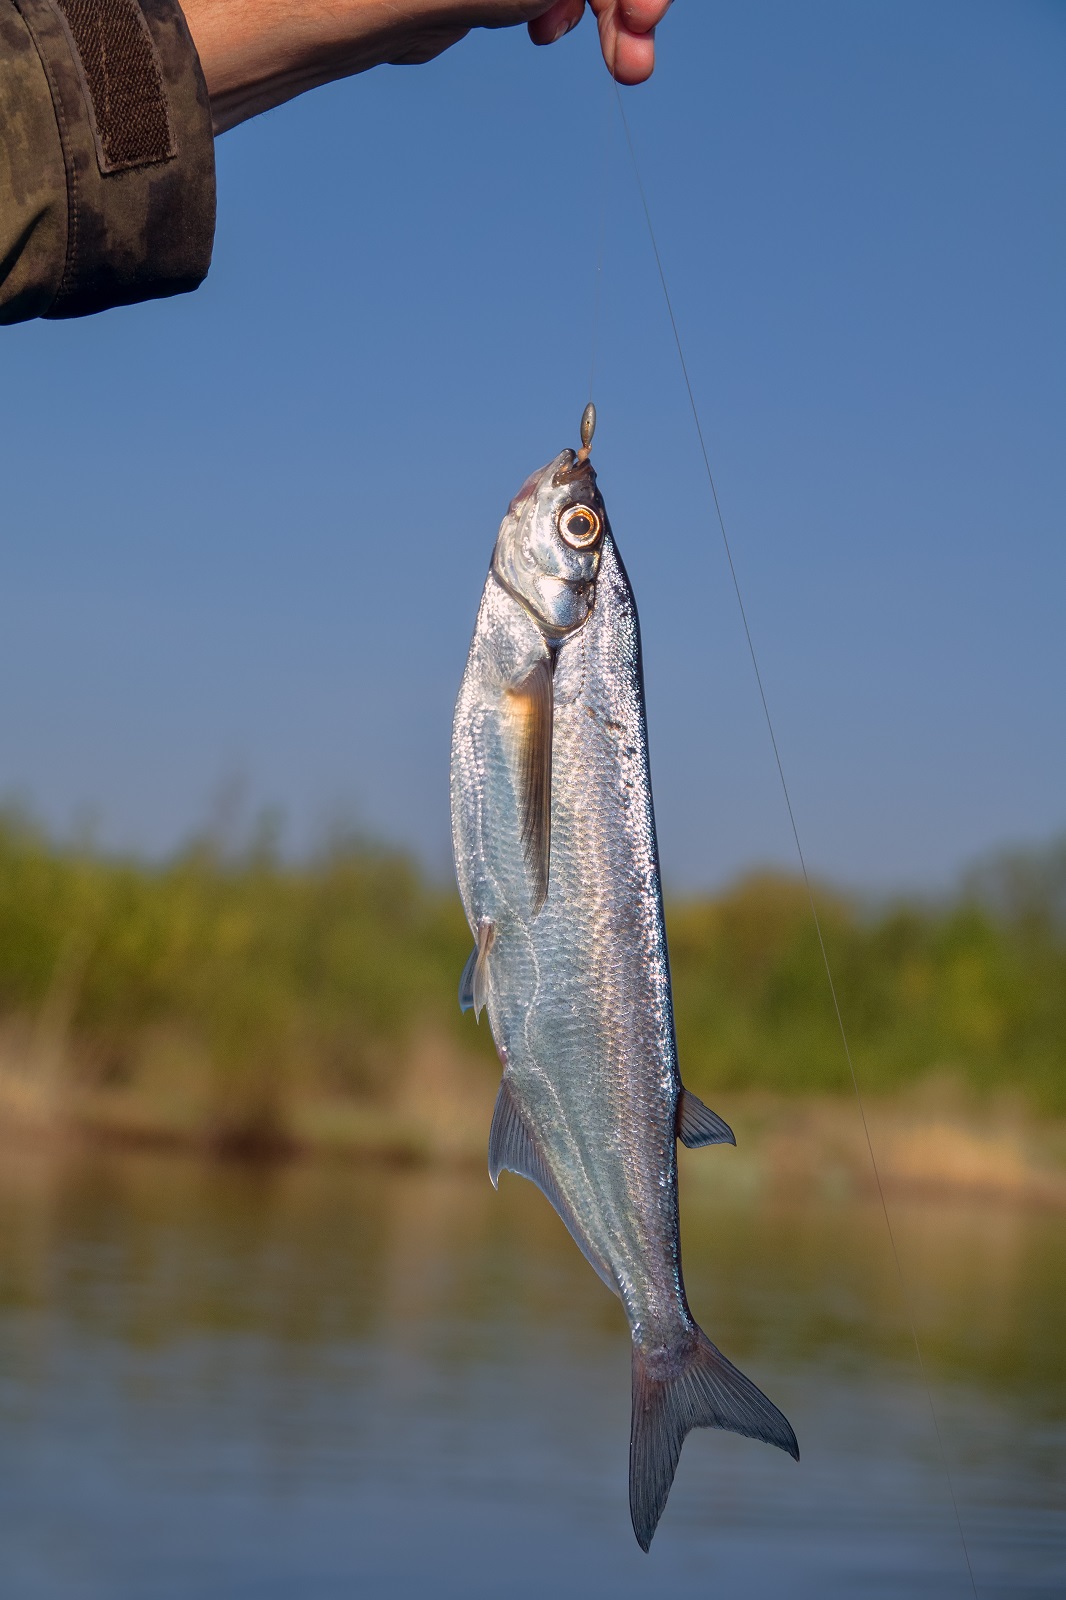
(313, 1381)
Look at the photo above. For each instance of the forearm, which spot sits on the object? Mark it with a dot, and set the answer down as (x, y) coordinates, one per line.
(257, 53)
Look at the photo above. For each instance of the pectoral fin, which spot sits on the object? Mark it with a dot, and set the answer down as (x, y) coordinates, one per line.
(474, 983)
(530, 703)
(698, 1125)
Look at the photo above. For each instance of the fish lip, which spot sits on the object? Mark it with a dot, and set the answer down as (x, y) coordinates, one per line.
(574, 471)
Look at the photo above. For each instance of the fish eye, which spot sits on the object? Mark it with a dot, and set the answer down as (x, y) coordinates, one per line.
(580, 526)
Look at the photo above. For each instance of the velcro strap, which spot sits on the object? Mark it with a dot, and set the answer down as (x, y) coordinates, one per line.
(124, 82)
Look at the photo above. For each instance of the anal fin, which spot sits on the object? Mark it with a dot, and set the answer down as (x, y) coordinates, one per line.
(512, 1148)
(698, 1125)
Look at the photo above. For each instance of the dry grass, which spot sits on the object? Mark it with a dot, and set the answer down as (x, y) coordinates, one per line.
(935, 1140)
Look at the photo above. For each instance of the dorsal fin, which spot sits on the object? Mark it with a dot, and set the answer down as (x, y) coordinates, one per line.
(531, 710)
(698, 1125)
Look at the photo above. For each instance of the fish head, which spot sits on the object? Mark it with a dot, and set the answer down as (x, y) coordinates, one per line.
(548, 548)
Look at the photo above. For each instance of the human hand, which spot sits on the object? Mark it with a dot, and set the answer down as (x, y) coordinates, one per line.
(627, 31)
(257, 53)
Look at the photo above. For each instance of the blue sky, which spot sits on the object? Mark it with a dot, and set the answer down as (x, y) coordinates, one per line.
(244, 532)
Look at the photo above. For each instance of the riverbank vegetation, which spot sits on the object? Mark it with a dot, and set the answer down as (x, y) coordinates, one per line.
(241, 1001)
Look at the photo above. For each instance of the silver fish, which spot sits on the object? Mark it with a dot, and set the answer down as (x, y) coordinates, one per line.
(558, 869)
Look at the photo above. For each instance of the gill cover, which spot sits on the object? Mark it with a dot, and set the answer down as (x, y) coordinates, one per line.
(548, 548)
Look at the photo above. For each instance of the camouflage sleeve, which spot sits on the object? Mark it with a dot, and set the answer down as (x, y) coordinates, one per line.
(107, 168)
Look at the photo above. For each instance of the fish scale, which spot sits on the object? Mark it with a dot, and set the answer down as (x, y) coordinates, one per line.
(557, 863)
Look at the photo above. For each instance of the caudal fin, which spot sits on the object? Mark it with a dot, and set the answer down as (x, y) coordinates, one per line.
(674, 1392)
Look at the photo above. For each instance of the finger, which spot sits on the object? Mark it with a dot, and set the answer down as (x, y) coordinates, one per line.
(557, 20)
(641, 16)
(629, 56)
(627, 36)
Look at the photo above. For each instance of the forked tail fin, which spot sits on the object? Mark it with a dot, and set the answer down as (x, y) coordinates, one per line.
(674, 1392)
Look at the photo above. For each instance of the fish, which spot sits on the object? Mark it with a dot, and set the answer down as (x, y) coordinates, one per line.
(558, 870)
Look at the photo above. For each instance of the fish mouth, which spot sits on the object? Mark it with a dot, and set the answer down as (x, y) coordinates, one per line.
(575, 470)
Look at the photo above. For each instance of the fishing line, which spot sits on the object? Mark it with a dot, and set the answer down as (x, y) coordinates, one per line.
(597, 292)
(796, 837)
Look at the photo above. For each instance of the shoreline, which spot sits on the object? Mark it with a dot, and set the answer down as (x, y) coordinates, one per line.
(932, 1140)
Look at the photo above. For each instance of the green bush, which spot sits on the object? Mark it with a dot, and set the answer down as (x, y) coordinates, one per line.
(974, 988)
(275, 976)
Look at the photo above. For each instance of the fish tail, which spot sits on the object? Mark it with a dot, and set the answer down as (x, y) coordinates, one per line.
(675, 1390)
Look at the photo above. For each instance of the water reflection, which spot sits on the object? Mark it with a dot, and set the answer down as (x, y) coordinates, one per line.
(313, 1381)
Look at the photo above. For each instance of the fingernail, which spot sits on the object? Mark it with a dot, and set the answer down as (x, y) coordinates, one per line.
(563, 29)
